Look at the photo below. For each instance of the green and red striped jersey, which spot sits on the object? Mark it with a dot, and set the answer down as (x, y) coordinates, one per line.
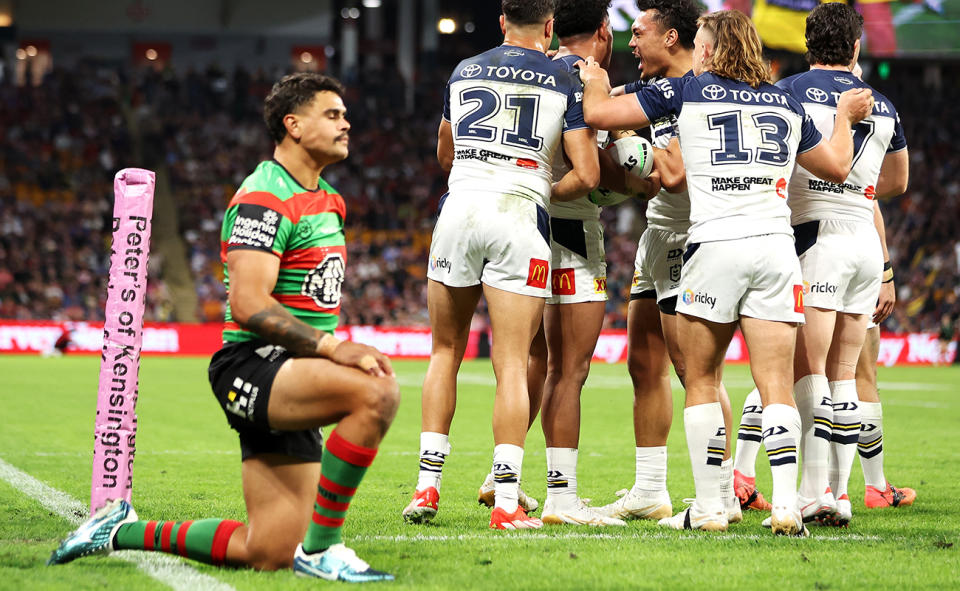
(272, 212)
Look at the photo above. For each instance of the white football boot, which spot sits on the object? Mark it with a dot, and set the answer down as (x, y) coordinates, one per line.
(579, 513)
(486, 496)
(635, 504)
(693, 518)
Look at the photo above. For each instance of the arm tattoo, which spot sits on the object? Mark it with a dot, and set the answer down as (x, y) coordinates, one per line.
(279, 327)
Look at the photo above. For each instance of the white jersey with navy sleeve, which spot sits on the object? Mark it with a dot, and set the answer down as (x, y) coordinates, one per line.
(739, 147)
(581, 208)
(880, 133)
(666, 211)
(508, 108)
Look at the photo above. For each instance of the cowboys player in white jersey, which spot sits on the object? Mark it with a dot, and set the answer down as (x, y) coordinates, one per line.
(841, 260)
(574, 313)
(506, 112)
(662, 38)
(740, 138)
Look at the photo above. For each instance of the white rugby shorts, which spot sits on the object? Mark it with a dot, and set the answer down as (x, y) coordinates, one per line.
(499, 240)
(842, 265)
(658, 264)
(578, 267)
(758, 276)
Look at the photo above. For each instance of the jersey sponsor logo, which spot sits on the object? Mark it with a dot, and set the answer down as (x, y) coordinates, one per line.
(471, 70)
(798, 297)
(255, 225)
(440, 263)
(323, 283)
(870, 192)
(819, 287)
(782, 188)
(755, 96)
(817, 95)
(699, 298)
(714, 92)
(512, 52)
(600, 285)
(537, 275)
(843, 80)
(241, 399)
(736, 183)
(828, 187)
(512, 73)
(527, 163)
(636, 279)
(564, 281)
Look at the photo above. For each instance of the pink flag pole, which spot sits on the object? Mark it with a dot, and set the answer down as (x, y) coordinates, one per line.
(115, 430)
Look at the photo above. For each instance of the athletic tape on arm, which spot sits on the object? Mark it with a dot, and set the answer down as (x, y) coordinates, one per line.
(115, 429)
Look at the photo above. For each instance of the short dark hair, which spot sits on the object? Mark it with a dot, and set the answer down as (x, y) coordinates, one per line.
(292, 92)
(527, 12)
(579, 17)
(832, 30)
(681, 15)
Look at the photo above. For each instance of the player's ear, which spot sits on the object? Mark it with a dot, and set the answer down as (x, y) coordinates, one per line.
(670, 38)
(548, 29)
(503, 25)
(292, 123)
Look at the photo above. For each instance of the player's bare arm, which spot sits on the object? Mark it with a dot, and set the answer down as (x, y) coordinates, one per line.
(888, 292)
(602, 111)
(580, 146)
(668, 163)
(253, 275)
(894, 175)
(831, 160)
(445, 145)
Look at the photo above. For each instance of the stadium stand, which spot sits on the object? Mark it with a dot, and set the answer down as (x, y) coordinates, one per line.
(203, 130)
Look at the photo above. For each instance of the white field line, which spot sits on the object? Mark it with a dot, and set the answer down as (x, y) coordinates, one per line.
(520, 537)
(166, 569)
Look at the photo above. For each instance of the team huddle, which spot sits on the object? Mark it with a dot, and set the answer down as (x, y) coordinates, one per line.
(761, 216)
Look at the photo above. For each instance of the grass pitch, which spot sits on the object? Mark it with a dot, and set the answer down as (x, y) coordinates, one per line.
(187, 467)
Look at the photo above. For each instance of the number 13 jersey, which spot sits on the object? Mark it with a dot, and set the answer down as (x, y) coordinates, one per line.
(739, 147)
(508, 108)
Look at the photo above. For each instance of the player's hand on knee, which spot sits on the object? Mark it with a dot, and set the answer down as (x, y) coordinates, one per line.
(365, 357)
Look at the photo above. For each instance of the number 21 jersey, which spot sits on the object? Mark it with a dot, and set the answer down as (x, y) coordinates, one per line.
(508, 108)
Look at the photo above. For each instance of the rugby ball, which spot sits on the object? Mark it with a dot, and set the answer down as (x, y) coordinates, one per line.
(635, 154)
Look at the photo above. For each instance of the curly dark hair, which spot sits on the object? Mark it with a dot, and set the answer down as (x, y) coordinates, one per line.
(681, 15)
(832, 30)
(289, 94)
(579, 17)
(527, 12)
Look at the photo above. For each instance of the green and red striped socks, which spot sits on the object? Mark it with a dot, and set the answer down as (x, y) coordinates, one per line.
(205, 540)
(341, 471)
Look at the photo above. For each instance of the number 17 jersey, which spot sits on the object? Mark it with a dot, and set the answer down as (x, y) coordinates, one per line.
(508, 108)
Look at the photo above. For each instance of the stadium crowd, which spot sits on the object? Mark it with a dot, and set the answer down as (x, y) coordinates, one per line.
(204, 128)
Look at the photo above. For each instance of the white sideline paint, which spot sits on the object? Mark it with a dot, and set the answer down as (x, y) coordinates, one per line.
(493, 538)
(166, 569)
